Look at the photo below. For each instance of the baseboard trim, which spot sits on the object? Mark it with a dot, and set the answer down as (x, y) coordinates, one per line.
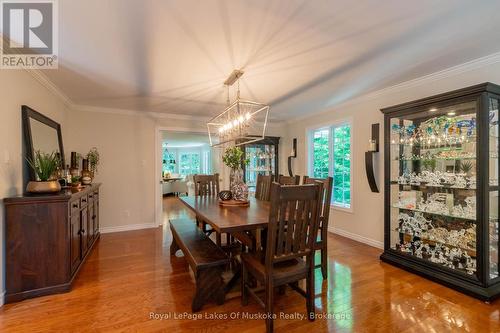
(120, 228)
(356, 237)
(2, 298)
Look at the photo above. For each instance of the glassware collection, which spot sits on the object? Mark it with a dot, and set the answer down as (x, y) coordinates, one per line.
(434, 196)
(441, 188)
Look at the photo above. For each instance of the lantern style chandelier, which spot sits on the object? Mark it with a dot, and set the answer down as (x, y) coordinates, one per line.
(241, 122)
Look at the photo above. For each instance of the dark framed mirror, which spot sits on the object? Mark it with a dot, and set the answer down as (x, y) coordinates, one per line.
(40, 133)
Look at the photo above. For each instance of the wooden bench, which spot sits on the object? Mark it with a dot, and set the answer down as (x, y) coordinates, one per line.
(205, 258)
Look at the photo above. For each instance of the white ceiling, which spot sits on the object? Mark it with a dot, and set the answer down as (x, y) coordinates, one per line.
(299, 56)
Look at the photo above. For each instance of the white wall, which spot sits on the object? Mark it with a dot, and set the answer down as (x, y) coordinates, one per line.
(18, 87)
(126, 142)
(365, 223)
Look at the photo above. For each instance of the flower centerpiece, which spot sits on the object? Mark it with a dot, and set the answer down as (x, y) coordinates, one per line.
(44, 167)
(234, 158)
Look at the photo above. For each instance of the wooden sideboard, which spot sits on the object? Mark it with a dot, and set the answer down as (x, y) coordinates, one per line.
(48, 237)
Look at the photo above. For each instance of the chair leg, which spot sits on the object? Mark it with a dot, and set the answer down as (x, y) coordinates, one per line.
(244, 292)
(310, 294)
(324, 262)
(269, 306)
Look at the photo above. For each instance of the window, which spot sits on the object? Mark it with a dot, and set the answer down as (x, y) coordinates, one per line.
(168, 162)
(189, 163)
(331, 156)
(321, 153)
(207, 165)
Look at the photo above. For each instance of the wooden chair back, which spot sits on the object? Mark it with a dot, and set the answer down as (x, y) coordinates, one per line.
(206, 185)
(327, 198)
(263, 187)
(293, 222)
(287, 180)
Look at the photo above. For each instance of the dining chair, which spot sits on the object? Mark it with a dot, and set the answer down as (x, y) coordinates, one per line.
(288, 180)
(263, 187)
(321, 243)
(289, 253)
(206, 185)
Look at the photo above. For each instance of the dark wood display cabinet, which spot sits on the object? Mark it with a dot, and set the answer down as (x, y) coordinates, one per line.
(441, 188)
(48, 237)
(263, 156)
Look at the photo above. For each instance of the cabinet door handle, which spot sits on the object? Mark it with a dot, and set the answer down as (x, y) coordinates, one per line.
(91, 196)
(82, 231)
(84, 200)
(93, 217)
(75, 205)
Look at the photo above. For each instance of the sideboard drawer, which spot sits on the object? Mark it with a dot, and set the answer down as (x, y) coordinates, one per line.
(84, 200)
(74, 207)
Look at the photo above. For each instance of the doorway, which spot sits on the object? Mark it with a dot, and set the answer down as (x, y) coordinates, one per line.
(180, 155)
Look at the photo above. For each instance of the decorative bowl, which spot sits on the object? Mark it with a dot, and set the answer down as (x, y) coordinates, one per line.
(225, 195)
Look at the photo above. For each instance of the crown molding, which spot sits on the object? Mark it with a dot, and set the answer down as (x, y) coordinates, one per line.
(45, 82)
(42, 78)
(426, 79)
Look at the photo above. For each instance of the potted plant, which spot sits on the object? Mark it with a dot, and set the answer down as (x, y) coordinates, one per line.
(93, 160)
(44, 166)
(234, 158)
(75, 181)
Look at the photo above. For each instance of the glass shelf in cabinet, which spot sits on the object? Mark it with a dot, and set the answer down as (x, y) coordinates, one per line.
(444, 187)
(471, 251)
(473, 219)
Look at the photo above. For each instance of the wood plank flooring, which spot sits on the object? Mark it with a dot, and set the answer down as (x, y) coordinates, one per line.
(130, 277)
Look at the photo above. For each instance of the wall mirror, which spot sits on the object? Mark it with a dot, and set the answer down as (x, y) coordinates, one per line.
(40, 133)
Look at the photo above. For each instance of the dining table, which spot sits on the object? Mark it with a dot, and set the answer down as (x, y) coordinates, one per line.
(245, 223)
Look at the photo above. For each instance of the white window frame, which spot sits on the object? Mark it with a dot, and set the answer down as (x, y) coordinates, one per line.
(207, 162)
(309, 153)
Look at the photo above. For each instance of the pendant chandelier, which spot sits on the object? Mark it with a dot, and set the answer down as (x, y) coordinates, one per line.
(241, 122)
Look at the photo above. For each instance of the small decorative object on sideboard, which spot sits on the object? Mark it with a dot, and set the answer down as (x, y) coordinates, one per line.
(225, 195)
(234, 158)
(86, 173)
(44, 167)
(74, 170)
(75, 181)
(93, 158)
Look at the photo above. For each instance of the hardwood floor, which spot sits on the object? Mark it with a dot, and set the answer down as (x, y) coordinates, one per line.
(130, 275)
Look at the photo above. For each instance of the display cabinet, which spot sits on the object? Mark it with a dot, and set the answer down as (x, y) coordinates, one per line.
(263, 159)
(441, 188)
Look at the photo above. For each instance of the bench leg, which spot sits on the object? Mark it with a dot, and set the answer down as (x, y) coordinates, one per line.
(174, 247)
(209, 285)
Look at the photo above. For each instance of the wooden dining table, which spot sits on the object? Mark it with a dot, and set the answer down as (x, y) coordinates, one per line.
(245, 223)
(230, 219)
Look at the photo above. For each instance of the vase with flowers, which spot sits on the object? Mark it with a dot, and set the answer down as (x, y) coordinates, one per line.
(234, 158)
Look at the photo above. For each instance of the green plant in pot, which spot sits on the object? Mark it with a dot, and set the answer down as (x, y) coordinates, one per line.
(44, 167)
(234, 158)
(93, 160)
(75, 181)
